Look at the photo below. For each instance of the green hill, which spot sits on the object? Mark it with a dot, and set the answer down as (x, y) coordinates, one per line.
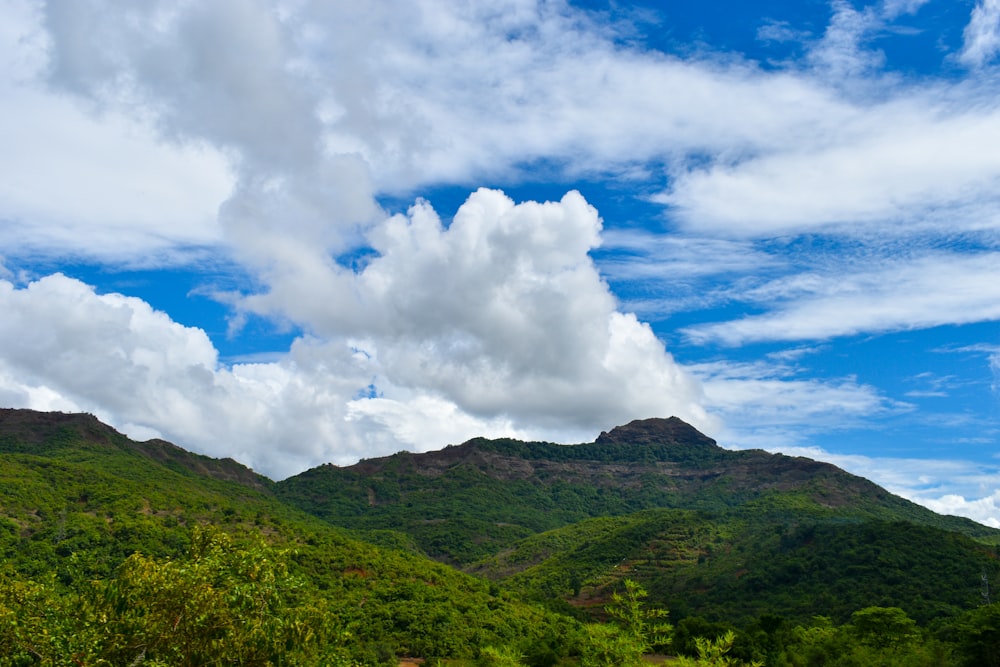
(467, 502)
(119, 551)
(708, 531)
(736, 568)
(77, 499)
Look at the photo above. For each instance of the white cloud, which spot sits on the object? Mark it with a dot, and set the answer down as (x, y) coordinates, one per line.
(501, 316)
(900, 168)
(420, 92)
(65, 347)
(921, 292)
(503, 312)
(984, 510)
(982, 34)
(840, 54)
(77, 182)
(668, 273)
(893, 8)
(669, 258)
(301, 113)
(69, 185)
(336, 104)
(765, 405)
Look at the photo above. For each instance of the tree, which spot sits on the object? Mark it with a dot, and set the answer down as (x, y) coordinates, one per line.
(637, 631)
(224, 604)
(713, 653)
(977, 634)
(883, 627)
(491, 656)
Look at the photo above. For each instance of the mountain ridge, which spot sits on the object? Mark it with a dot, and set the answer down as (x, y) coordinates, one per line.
(465, 502)
(667, 446)
(725, 534)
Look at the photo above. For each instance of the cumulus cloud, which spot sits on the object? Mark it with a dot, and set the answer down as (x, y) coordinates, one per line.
(68, 348)
(499, 324)
(503, 312)
(275, 129)
(985, 510)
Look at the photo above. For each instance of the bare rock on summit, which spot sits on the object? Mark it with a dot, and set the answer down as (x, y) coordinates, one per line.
(658, 431)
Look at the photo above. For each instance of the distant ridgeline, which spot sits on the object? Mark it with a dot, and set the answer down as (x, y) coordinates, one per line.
(489, 543)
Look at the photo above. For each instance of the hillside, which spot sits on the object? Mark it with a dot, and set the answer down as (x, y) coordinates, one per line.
(78, 500)
(98, 533)
(470, 501)
(708, 531)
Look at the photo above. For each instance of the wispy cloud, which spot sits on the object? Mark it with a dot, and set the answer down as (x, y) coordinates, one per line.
(637, 255)
(982, 35)
(924, 292)
(766, 405)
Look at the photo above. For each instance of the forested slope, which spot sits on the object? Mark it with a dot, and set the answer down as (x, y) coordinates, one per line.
(80, 503)
(117, 552)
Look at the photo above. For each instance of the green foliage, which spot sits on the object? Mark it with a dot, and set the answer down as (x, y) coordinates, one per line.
(87, 518)
(647, 626)
(715, 653)
(837, 568)
(821, 643)
(499, 657)
(243, 602)
(976, 635)
(224, 604)
(107, 559)
(693, 631)
(638, 629)
(883, 627)
(469, 502)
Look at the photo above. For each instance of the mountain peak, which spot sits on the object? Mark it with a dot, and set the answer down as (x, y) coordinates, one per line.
(658, 431)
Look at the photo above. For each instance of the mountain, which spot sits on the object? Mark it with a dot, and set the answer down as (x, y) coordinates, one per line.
(731, 536)
(466, 502)
(708, 531)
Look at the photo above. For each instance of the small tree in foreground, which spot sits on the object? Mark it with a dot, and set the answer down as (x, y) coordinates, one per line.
(714, 653)
(637, 631)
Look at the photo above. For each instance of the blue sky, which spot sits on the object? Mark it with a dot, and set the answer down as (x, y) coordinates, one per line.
(298, 232)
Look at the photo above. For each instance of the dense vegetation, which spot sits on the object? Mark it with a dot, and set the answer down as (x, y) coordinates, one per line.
(123, 553)
(86, 514)
(737, 568)
(471, 501)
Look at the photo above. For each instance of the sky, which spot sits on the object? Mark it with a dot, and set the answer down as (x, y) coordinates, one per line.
(294, 232)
